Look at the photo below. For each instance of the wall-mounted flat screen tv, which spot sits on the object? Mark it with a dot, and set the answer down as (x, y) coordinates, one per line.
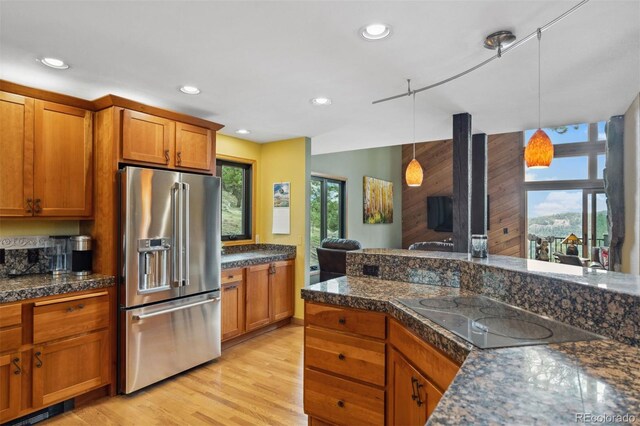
(440, 214)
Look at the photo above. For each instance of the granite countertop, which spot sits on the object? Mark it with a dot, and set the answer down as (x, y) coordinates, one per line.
(548, 384)
(607, 280)
(41, 285)
(255, 257)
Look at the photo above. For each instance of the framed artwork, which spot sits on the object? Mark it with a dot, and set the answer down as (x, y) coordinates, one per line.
(378, 201)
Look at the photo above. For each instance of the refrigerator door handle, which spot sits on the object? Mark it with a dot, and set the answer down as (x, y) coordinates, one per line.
(186, 233)
(177, 308)
(177, 235)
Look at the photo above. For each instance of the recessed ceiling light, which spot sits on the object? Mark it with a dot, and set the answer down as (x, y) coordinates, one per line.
(190, 90)
(54, 63)
(321, 101)
(375, 31)
(243, 131)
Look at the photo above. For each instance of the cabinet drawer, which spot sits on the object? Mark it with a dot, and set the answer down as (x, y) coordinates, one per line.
(10, 315)
(350, 356)
(367, 323)
(10, 338)
(436, 366)
(232, 275)
(341, 401)
(68, 316)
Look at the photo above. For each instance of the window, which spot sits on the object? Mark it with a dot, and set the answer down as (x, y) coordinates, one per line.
(568, 197)
(327, 214)
(236, 199)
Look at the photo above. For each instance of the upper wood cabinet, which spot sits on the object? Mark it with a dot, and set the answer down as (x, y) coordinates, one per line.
(46, 162)
(155, 140)
(16, 161)
(63, 157)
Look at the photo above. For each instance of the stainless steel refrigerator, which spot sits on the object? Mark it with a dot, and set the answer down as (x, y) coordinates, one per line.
(169, 291)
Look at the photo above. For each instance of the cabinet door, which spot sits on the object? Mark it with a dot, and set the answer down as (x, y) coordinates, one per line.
(193, 147)
(10, 378)
(232, 309)
(63, 155)
(412, 398)
(16, 159)
(70, 367)
(282, 280)
(147, 138)
(257, 296)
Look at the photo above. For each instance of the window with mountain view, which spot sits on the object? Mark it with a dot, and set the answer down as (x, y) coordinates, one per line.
(236, 199)
(568, 197)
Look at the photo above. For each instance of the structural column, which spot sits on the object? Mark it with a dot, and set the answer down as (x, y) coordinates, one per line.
(479, 164)
(461, 182)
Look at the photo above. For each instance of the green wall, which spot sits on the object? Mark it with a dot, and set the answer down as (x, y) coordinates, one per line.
(382, 163)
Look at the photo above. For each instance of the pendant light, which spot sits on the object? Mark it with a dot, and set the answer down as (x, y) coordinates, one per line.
(413, 175)
(539, 151)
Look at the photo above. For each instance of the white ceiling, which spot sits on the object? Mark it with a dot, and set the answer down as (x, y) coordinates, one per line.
(259, 62)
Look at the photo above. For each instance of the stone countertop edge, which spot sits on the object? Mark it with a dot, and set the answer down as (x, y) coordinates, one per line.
(241, 260)
(42, 285)
(515, 385)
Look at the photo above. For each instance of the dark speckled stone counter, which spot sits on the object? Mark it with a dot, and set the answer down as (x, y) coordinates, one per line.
(41, 285)
(549, 384)
(255, 254)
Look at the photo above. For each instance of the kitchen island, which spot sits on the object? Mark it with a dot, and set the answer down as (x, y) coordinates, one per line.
(542, 384)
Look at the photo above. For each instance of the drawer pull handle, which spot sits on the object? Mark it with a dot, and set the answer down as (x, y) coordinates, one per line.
(70, 309)
(15, 362)
(39, 361)
(80, 306)
(341, 403)
(341, 357)
(231, 287)
(342, 320)
(229, 276)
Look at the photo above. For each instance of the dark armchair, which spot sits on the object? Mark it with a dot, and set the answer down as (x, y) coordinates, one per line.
(332, 256)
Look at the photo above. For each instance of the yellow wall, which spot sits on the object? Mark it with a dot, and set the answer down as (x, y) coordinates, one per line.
(281, 161)
(16, 227)
(287, 161)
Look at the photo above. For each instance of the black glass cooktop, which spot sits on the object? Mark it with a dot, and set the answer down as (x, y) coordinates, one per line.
(490, 324)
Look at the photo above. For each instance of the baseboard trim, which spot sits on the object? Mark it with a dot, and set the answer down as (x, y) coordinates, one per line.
(297, 321)
(244, 337)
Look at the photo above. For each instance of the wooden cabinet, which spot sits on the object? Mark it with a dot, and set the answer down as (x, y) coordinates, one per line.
(193, 147)
(46, 166)
(412, 398)
(352, 364)
(147, 138)
(155, 140)
(256, 296)
(67, 353)
(282, 283)
(344, 376)
(10, 382)
(70, 367)
(258, 300)
(16, 161)
(232, 303)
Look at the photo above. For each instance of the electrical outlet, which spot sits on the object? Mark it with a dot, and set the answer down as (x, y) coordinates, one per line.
(2, 261)
(32, 256)
(505, 231)
(371, 270)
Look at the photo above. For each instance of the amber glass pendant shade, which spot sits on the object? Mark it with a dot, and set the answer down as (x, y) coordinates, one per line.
(413, 174)
(539, 151)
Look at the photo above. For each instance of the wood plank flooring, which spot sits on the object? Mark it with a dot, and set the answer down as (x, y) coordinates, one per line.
(255, 382)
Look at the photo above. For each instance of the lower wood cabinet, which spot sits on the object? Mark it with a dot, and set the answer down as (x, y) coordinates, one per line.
(256, 296)
(67, 353)
(364, 368)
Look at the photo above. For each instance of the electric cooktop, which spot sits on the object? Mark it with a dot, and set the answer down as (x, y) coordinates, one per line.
(490, 324)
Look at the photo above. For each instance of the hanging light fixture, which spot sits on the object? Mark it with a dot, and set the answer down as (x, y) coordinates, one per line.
(413, 175)
(539, 151)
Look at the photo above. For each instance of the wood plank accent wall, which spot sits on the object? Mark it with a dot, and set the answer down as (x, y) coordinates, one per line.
(507, 204)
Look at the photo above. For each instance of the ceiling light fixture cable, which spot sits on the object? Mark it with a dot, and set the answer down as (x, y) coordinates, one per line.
(414, 174)
(498, 55)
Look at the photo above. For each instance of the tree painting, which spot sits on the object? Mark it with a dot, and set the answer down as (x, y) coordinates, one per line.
(378, 201)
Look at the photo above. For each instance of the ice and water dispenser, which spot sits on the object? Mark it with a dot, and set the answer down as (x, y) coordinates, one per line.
(153, 264)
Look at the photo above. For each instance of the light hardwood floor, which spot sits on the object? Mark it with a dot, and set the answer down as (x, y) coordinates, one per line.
(255, 382)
